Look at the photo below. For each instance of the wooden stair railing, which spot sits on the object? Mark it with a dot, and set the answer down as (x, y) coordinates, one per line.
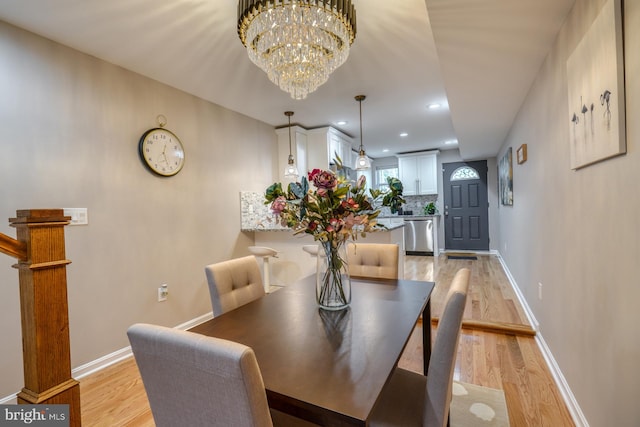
(42, 273)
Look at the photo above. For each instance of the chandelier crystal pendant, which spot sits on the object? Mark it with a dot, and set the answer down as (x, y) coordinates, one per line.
(290, 171)
(298, 43)
(362, 162)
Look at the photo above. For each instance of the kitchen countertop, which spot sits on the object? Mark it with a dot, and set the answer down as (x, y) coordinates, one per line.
(408, 216)
(275, 227)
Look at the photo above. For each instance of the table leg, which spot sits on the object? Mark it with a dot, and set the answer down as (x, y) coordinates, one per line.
(426, 336)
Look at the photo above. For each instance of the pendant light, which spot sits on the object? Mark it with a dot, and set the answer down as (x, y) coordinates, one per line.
(290, 171)
(362, 162)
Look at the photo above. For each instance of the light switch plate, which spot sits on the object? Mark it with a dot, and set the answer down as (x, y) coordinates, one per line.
(79, 216)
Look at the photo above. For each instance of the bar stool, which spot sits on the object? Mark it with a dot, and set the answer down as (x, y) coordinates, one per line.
(265, 253)
(311, 250)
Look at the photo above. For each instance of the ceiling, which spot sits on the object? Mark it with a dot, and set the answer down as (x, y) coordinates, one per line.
(477, 58)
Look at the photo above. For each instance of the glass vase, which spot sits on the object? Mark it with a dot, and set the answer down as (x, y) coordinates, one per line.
(333, 284)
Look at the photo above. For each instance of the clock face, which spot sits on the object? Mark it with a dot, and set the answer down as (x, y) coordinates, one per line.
(161, 151)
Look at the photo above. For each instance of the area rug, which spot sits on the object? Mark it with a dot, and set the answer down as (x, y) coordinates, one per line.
(461, 255)
(476, 406)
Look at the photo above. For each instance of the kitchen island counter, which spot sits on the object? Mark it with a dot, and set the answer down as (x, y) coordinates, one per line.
(292, 263)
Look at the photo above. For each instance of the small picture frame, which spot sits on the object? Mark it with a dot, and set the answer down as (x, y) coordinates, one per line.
(521, 154)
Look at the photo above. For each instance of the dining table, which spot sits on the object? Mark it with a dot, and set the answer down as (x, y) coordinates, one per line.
(329, 367)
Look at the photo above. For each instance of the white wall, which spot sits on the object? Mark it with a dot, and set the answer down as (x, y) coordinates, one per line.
(577, 233)
(70, 126)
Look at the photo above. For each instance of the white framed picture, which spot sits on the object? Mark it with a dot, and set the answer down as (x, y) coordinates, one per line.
(595, 75)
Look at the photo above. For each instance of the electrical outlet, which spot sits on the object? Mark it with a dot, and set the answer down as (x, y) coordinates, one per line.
(539, 291)
(163, 292)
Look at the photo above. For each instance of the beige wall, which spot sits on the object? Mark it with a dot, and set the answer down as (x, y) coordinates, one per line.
(577, 233)
(69, 132)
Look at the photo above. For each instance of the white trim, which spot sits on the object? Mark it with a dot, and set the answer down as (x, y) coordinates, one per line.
(12, 399)
(100, 363)
(111, 358)
(565, 391)
(572, 404)
(523, 302)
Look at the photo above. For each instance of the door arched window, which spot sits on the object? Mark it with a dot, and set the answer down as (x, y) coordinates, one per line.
(464, 172)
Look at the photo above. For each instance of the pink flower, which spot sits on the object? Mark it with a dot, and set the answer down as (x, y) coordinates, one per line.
(325, 179)
(350, 204)
(278, 205)
(362, 180)
(311, 175)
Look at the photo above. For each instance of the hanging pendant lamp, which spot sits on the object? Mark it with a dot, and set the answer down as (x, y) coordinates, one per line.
(290, 171)
(362, 162)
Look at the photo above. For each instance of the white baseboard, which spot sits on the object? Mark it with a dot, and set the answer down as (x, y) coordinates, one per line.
(572, 404)
(111, 358)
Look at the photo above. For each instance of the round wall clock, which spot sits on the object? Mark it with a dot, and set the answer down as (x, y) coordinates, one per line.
(161, 151)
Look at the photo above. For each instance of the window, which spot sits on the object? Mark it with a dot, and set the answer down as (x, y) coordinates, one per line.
(382, 173)
(464, 172)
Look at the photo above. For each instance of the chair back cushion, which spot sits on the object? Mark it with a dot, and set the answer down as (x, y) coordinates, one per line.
(194, 380)
(234, 283)
(376, 260)
(443, 354)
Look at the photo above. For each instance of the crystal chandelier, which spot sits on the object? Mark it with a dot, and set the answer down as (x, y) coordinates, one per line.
(298, 43)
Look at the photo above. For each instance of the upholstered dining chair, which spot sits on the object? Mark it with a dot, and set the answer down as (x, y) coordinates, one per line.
(376, 260)
(411, 399)
(234, 283)
(195, 380)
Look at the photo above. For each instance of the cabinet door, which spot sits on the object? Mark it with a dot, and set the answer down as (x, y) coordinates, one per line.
(408, 173)
(335, 148)
(427, 174)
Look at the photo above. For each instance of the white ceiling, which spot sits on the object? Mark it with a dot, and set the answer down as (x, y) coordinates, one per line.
(476, 57)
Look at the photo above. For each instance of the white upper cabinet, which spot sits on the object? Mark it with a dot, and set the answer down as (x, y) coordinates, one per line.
(419, 173)
(322, 146)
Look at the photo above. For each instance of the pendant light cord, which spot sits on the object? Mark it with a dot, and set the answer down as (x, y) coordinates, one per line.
(361, 98)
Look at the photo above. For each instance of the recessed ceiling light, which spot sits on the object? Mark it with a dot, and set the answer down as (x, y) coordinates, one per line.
(433, 106)
(451, 141)
(341, 123)
(403, 134)
(385, 150)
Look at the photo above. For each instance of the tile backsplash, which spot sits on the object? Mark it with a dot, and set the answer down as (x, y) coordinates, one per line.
(415, 204)
(254, 214)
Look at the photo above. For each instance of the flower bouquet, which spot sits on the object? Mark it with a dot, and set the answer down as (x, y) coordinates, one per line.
(334, 211)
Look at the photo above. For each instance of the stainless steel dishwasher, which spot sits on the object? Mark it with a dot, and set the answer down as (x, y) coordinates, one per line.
(418, 236)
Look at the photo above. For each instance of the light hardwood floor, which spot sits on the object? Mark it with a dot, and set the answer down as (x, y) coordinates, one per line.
(509, 361)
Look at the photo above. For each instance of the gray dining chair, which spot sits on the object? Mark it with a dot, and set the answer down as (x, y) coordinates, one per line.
(195, 380)
(411, 399)
(234, 283)
(375, 260)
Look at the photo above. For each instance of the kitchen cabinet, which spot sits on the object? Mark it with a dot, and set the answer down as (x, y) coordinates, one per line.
(419, 173)
(323, 144)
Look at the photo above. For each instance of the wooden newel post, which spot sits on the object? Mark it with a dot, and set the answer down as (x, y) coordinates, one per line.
(44, 311)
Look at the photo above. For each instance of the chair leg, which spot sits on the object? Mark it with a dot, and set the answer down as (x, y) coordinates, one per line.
(267, 274)
(449, 418)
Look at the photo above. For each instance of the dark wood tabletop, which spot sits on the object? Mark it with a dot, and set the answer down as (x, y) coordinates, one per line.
(328, 367)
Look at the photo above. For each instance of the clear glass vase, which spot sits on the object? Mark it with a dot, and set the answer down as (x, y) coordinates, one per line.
(333, 284)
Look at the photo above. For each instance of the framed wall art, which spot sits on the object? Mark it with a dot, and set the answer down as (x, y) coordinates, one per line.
(505, 179)
(595, 75)
(521, 154)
